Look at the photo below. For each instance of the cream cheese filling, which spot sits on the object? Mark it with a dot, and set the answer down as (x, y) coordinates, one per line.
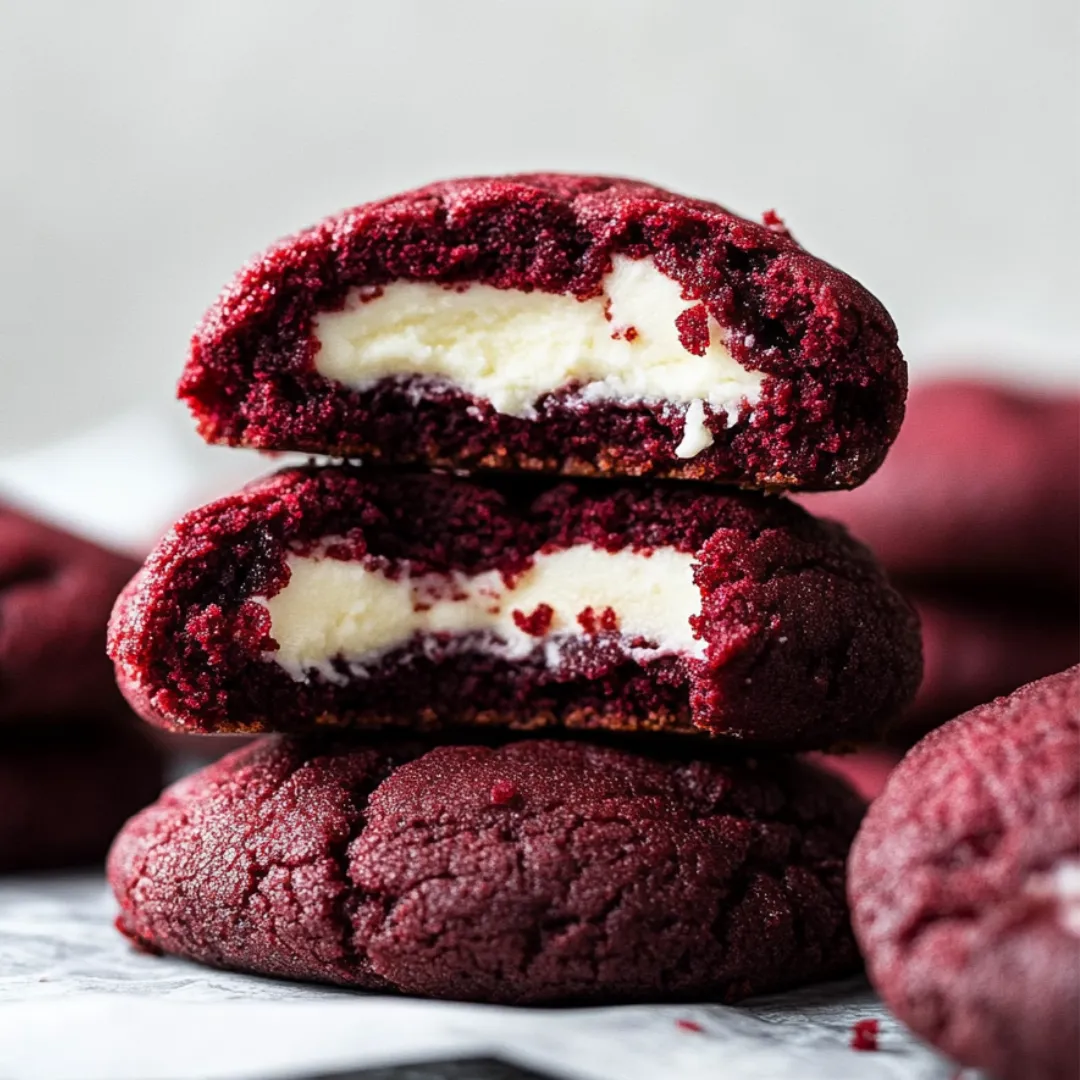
(1061, 884)
(511, 347)
(356, 612)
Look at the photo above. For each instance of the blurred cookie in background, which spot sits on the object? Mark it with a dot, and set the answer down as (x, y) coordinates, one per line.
(976, 516)
(56, 591)
(866, 771)
(73, 764)
(983, 481)
(980, 645)
(65, 790)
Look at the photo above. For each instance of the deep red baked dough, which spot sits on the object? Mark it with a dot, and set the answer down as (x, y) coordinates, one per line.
(948, 885)
(808, 645)
(830, 407)
(528, 873)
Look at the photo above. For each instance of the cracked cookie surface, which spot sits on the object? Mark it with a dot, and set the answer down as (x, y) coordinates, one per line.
(528, 872)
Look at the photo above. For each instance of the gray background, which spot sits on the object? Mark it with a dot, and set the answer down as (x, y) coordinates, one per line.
(928, 147)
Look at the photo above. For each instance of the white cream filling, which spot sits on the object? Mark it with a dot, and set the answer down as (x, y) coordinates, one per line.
(352, 610)
(511, 347)
(1062, 884)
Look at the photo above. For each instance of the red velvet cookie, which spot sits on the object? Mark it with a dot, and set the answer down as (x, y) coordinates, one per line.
(56, 591)
(573, 324)
(977, 647)
(965, 885)
(532, 872)
(983, 482)
(343, 597)
(66, 790)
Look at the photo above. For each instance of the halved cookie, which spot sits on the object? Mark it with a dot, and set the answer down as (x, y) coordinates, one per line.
(350, 598)
(572, 324)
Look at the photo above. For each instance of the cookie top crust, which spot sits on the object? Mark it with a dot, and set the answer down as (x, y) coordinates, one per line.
(965, 884)
(832, 380)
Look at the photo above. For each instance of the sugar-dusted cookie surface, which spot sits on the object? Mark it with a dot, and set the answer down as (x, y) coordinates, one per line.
(965, 885)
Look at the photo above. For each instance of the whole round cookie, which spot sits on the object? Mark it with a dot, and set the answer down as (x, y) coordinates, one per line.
(983, 482)
(65, 790)
(56, 591)
(531, 872)
(355, 598)
(965, 885)
(573, 324)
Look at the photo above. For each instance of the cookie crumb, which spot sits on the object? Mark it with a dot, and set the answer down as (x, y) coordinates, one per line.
(538, 623)
(864, 1035)
(689, 1025)
(502, 792)
(693, 328)
(593, 623)
(775, 223)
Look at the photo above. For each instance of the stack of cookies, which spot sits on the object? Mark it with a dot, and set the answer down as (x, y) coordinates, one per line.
(541, 663)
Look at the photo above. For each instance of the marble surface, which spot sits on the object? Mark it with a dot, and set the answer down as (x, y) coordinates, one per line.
(76, 1001)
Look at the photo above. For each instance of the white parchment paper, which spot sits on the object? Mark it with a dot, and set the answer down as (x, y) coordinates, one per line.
(78, 1003)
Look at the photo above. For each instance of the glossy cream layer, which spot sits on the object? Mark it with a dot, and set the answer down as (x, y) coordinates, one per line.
(511, 347)
(333, 608)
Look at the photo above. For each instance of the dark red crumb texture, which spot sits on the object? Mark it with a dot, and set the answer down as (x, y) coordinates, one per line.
(806, 643)
(613, 876)
(830, 406)
(952, 899)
